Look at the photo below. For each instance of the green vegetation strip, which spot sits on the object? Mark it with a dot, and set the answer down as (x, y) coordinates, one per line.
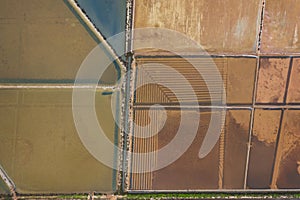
(274, 195)
(211, 195)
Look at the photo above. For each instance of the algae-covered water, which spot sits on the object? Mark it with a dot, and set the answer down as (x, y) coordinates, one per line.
(39, 145)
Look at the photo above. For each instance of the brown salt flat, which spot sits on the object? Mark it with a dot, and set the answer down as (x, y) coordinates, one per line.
(260, 165)
(272, 80)
(229, 26)
(290, 131)
(293, 95)
(143, 181)
(236, 138)
(262, 153)
(240, 80)
(189, 171)
(237, 74)
(281, 26)
(288, 154)
(184, 73)
(266, 123)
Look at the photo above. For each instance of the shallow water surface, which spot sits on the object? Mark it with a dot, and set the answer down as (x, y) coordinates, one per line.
(39, 145)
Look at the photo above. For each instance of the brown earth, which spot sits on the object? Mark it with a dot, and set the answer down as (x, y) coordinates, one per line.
(240, 80)
(229, 26)
(236, 139)
(288, 154)
(266, 123)
(262, 153)
(293, 95)
(188, 172)
(272, 80)
(237, 74)
(182, 79)
(142, 118)
(289, 177)
(281, 26)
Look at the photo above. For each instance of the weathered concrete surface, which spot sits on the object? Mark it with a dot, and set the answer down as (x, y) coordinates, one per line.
(39, 145)
(272, 80)
(293, 95)
(262, 154)
(281, 26)
(286, 174)
(41, 39)
(229, 26)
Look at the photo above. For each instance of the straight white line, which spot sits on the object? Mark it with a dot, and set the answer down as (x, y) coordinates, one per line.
(10, 184)
(192, 107)
(93, 28)
(215, 191)
(249, 147)
(132, 25)
(35, 86)
(250, 107)
(278, 106)
(253, 100)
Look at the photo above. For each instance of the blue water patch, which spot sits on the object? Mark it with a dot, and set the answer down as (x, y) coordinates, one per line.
(107, 93)
(108, 16)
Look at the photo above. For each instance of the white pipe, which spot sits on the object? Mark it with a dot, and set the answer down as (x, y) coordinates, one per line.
(10, 184)
(92, 27)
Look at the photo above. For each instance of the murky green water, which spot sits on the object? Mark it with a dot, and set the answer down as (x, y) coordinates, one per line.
(43, 42)
(39, 145)
(3, 188)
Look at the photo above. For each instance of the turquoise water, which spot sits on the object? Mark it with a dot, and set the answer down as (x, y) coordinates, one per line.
(107, 15)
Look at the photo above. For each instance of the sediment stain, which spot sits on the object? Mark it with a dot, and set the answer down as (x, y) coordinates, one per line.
(262, 152)
(293, 95)
(280, 27)
(287, 175)
(236, 138)
(272, 80)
